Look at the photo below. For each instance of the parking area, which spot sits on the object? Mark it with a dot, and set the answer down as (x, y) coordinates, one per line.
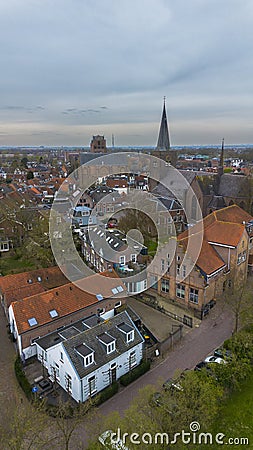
(157, 322)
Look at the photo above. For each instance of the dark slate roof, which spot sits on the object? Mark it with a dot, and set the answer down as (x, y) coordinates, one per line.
(90, 339)
(170, 203)
(98, 194)
(234, 185)
(68, 331)
(217, 202)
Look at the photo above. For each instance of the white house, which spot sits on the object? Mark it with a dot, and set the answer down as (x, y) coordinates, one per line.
(88, 356)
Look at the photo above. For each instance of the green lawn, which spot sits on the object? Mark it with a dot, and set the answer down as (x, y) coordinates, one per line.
(236, 418)
(12, 264)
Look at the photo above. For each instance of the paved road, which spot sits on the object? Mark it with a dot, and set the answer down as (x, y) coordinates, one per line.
(195, 346)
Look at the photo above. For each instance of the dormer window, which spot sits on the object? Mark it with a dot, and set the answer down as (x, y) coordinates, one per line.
(110, 347)
(86, 353)
(127, 330)
(108, 341)
(130, 336)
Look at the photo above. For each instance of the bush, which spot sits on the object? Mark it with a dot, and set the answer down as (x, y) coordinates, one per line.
(106, 393)
(135, 373)
(23, 382)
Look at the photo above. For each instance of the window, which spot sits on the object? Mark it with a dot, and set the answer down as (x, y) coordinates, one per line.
(55, 371)
(134, 258)
(194, 295)
(61, 356)
(92, 385)
(53, 313)
(88, 360)
(153, 282)
(178, 258)
(110, 347)
(122, 259)
(162, 265)
(165, 285)
(194, 208)
(32, 321)
(184, 270)
(178, 269)
(180, 291)
(132, 359)
(168, 263)
(130, 336)
(68, 381)
(242, 257)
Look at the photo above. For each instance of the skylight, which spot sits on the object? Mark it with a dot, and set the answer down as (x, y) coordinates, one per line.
(99, 296)
(53, 313)
(114, 291)
(32, 321)
(120, 288)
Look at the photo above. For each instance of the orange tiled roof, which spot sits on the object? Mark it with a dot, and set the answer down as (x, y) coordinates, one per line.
(50, 277)
(65, 300)
(224, 227)
(18, 293)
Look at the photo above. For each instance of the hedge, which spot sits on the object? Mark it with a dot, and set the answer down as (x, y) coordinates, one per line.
(21, 377)
(106, 393)
(135, 373)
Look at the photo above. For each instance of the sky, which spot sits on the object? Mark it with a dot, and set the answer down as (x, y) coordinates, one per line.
(73, 68)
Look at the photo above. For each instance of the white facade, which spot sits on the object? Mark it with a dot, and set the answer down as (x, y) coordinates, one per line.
(57, 362)
(84, 375)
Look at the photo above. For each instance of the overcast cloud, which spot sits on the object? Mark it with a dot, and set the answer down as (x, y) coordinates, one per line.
(74, 68)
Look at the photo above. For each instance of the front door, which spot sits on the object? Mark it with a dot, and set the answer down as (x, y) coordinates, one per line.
(113, 374)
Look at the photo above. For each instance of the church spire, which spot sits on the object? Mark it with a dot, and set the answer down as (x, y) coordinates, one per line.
(163, 142)
(221, 162)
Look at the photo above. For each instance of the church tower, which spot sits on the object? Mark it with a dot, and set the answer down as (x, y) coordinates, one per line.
(163, 143)
(163, 149)
(221, 161)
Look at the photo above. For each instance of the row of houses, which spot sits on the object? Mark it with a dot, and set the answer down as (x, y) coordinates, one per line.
(79, 336)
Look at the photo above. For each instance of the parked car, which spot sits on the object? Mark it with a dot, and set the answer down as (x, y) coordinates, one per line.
(215, 359)
(223, 353)
(200, 365)
(105, 440)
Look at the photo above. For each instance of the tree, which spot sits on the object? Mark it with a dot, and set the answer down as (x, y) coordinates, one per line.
(25, 427)
(67, 421)
(134, 219)
(30, 175)
(24, 162)
(238, 296)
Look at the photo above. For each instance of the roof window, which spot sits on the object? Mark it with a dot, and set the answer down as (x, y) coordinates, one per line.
(53, 313)
(32, 321)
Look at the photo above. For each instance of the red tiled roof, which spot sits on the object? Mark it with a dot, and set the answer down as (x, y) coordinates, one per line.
(65, 300)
